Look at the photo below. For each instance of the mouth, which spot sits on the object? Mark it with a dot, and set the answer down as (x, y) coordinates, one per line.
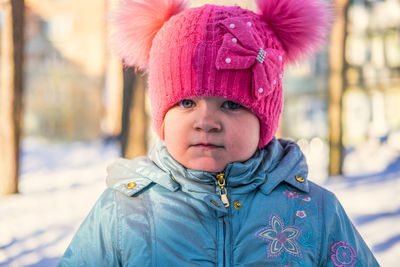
(207, 145)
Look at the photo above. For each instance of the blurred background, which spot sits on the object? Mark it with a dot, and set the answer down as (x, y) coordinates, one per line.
(68, 109)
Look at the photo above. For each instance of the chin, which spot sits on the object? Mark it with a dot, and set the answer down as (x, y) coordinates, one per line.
(207, 166)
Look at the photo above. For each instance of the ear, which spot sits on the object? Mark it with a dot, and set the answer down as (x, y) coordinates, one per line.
(136, 22)
(300, 25)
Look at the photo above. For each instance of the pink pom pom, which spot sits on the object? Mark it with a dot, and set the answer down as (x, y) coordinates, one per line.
(300, 25)
(136, 23)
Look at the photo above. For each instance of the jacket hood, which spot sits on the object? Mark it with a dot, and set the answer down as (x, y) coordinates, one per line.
(280, 161)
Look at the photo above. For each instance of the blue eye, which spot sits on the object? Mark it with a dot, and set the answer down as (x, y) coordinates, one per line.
(186, 103)
(231, 105)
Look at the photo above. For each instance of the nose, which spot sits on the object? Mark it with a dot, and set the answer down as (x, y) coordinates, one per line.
(207, 119)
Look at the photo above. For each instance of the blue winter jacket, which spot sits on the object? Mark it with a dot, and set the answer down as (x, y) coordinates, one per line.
(158, 213)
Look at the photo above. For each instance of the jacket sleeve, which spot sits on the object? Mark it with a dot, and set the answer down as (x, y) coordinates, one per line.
(96, 241)
(342, 245)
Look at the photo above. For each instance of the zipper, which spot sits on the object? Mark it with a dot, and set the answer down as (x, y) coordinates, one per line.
(225, 233)
(223, 192)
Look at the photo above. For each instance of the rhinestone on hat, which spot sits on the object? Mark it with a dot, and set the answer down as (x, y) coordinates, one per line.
(234, 40)
(232, 26)
(261, 55)
(228, 60)
(280, 58)
(260, 90)
(249, 23)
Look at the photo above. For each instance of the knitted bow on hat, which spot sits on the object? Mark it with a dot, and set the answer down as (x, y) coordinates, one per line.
(239, 51)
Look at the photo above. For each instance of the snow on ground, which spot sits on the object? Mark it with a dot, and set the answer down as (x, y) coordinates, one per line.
(373, 204)
(60, 183)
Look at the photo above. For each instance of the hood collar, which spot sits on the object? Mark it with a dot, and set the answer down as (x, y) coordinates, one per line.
(279, 161)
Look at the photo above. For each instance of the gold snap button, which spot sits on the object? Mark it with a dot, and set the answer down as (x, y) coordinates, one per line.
(131, 185)
(173, 179)
(215, 203)
(299, 179)
(237, 205)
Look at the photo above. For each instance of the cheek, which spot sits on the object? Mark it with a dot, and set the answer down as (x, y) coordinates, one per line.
(173, 136)
(168, 133)
(171, 143)
(248, 137)
(168, 126)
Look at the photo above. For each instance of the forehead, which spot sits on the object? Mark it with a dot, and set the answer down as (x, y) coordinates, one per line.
(210, 99)
(213, 100)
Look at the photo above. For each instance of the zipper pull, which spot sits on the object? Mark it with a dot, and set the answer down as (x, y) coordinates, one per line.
(223, 192)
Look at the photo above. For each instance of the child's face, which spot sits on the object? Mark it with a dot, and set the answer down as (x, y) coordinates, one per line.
(207, 133)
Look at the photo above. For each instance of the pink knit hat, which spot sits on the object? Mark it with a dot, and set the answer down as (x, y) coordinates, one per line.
(223, 51)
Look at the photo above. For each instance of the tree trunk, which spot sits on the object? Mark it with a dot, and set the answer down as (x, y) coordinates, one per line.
(137, 142)
(337, 86)
(11, 94)
(134, 118)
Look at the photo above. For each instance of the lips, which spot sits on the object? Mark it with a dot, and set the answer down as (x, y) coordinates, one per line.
(207, 145)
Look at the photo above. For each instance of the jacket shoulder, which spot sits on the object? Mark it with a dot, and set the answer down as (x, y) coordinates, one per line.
(322, 193)
(127, 176)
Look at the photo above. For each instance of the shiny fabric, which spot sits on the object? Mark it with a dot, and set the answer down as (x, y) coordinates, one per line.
(174, 216)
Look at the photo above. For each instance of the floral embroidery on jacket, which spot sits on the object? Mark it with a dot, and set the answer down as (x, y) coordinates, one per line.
(343, 254)
(280, 238)
(291, 194)
(301, 214)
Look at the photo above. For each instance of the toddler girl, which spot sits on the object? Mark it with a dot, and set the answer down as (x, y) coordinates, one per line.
(218, 189)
